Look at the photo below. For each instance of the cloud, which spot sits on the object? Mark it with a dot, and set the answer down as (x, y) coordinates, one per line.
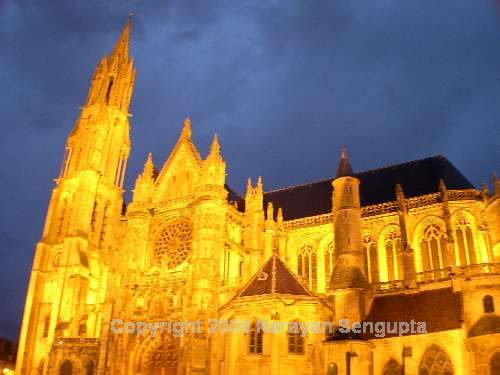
(284, 83)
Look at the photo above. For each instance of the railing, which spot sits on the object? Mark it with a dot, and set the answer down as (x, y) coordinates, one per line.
(479, 270)
(433, 276)
(473, 270)
(388, 286)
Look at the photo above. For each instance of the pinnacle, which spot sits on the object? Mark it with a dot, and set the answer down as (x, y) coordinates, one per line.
(149, 166)
(186, 130)
(215, 147)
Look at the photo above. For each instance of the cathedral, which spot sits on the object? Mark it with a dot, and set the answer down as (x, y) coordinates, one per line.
(403, 244)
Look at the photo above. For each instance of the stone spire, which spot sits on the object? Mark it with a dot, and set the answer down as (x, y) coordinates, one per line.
(121, 48)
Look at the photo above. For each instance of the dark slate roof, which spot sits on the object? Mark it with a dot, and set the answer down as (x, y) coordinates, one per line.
(417, 177)
(274, 277)
(487, 325)
(440, 309)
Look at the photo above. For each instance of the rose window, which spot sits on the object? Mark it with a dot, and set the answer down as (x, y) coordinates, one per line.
(173, 243)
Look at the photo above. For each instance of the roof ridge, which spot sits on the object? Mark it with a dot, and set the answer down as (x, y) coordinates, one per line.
(358, 173)
(402, 164)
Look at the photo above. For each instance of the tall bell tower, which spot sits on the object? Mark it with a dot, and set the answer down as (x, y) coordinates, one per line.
(74, 258)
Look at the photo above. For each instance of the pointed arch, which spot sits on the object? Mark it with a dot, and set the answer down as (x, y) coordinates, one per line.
(432, 244)
(435, 361)
(390, 243)
(307, 266)
(392, 367)
(464, 238)
(66, 368)
(157, 355)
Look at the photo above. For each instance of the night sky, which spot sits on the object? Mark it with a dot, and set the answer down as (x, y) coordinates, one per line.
(284, 84)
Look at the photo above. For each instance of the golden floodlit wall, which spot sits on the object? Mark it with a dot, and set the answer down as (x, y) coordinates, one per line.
(187, 248)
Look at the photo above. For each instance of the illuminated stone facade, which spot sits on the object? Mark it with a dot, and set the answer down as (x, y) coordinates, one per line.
(412, 241)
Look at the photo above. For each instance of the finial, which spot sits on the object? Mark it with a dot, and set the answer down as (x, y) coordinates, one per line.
(186, 130)
(249, 183)
(343, 154)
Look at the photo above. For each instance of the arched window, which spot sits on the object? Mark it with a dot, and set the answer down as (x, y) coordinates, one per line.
(435, 361)
(433, 247)
(488, 304)
(495, 364)
(255, 339)
(332, 369)
(306, 266)
(295, 340)
(66, 368)
(164, 359)
(89, 368)
(329, 259)
(392, 245)
(465, 242)
(392, 367)
(371, 260)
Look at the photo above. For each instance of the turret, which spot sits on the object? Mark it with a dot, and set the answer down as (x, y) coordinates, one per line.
(348, 281)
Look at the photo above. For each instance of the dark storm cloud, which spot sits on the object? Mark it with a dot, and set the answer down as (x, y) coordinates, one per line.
(284, 83)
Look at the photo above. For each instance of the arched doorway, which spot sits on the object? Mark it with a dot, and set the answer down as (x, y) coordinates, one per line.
(392, 367)
(66, 368)
(495, 364)
(435, 361)
(164, 359)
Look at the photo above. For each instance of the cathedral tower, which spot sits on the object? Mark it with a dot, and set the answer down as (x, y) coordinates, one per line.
(78, 247)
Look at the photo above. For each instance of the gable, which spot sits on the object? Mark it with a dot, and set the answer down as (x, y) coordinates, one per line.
(180, 173)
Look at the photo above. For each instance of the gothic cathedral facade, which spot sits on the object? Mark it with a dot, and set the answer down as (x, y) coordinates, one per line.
(414, 241)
